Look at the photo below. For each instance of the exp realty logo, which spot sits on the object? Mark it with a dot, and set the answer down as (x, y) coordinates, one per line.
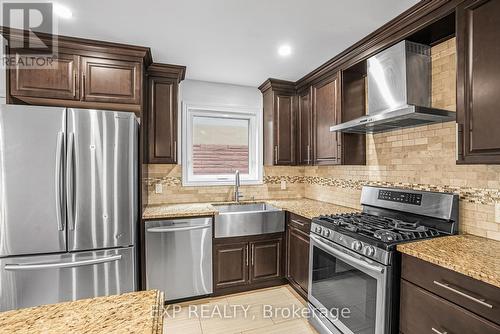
(25, 20)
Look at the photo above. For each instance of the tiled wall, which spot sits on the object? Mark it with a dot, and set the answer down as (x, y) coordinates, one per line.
(173, 191)
(417, 158)
(420, 158)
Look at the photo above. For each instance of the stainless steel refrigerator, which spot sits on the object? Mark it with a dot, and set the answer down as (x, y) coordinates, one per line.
(68, 204)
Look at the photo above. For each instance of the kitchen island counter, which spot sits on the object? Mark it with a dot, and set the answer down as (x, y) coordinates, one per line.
(135, 312)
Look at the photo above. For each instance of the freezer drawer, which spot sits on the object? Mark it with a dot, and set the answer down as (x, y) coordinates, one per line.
(179, 257)
(101, 179)
(47, 279)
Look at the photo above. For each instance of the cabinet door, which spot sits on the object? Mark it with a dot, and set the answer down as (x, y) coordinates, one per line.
(57, 81)
(230, 264)
(162, 121)
(326, 109)
(265, 260)
(110, 80)
(304, 130)
(298, 258)
(283, 130)
(478, 77)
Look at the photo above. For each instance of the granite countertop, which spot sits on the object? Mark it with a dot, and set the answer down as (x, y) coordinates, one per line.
(303, 207)
(473, 256)
(126, 313)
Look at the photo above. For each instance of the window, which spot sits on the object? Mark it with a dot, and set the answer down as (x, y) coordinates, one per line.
(218, 141)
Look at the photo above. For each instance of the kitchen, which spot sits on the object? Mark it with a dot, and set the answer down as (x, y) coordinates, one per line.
(183, 184)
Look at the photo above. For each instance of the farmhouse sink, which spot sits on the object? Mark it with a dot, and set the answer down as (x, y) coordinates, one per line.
(241, 219)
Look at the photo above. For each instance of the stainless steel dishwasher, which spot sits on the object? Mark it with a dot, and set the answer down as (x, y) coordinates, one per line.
(179, 257)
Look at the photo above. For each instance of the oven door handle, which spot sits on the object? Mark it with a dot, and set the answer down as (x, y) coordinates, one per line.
(348, 257)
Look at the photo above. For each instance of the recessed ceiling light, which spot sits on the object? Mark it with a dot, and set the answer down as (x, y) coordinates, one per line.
(62, 11)
(285, 50)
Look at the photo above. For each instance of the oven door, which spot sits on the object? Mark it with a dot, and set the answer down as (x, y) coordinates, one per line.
(347, 289)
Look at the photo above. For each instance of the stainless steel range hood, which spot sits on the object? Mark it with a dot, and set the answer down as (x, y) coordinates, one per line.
(399, 92)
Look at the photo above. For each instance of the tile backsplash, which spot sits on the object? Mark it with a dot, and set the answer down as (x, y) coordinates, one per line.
(170, 176)
(416, 158)
(419, 158)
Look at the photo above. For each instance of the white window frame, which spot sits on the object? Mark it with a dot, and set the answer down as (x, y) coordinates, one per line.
(254, 115)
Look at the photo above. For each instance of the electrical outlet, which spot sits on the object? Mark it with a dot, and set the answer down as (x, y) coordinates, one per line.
(159, 188)
(497, 212)
(283, 185)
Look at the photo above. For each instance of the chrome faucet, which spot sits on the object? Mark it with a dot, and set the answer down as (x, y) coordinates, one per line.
(237, 194)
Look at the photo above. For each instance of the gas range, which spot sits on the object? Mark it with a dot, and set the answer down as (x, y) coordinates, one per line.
(390, 217)
(353, 258)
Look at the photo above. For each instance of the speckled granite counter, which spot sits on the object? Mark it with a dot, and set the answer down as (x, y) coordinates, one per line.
(473, 256)
(178, 210)
(309, 208)
(126, 313)
(304, 207)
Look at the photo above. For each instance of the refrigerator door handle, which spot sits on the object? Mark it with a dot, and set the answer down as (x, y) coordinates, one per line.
(70, 184)
(38, 266)
(59, 180)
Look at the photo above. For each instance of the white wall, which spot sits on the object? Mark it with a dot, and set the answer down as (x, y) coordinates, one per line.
(204, 92)
(3, 79)
(215, 94)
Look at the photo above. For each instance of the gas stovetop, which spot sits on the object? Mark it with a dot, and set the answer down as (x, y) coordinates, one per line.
(390, 217)
(380, 229)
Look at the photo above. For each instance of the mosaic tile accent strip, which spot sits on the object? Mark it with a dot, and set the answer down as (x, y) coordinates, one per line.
(469, 194)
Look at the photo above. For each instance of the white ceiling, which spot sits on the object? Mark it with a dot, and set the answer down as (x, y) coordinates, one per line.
(233, 41)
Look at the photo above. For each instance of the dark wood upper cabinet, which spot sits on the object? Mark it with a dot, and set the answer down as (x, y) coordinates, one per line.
(326, 109)
(304, 129)
(84, 74)
(279, 122)
(163, 82)
(230, 264)
(353, 98)
(111, 80)
(284, 131)
(266, 260)
(162, 121)
(478, 75)
(59, 81)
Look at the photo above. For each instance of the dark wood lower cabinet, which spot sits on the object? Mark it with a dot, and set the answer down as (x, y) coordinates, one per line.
(247, 263)
(298, 260)
(438, 300)
(424, 312)
(297, 253)
(265, 259)
(230, 264)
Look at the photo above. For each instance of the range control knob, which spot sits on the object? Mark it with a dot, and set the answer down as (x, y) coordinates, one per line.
(318, 229)
(357, 246)
(369, 251)
(326, 233)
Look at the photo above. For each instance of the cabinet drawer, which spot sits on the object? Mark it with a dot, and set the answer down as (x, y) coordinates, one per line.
(299, 222)
(423, 312)
(473, 295)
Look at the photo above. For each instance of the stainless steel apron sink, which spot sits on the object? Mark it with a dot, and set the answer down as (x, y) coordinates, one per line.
(241, 219)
